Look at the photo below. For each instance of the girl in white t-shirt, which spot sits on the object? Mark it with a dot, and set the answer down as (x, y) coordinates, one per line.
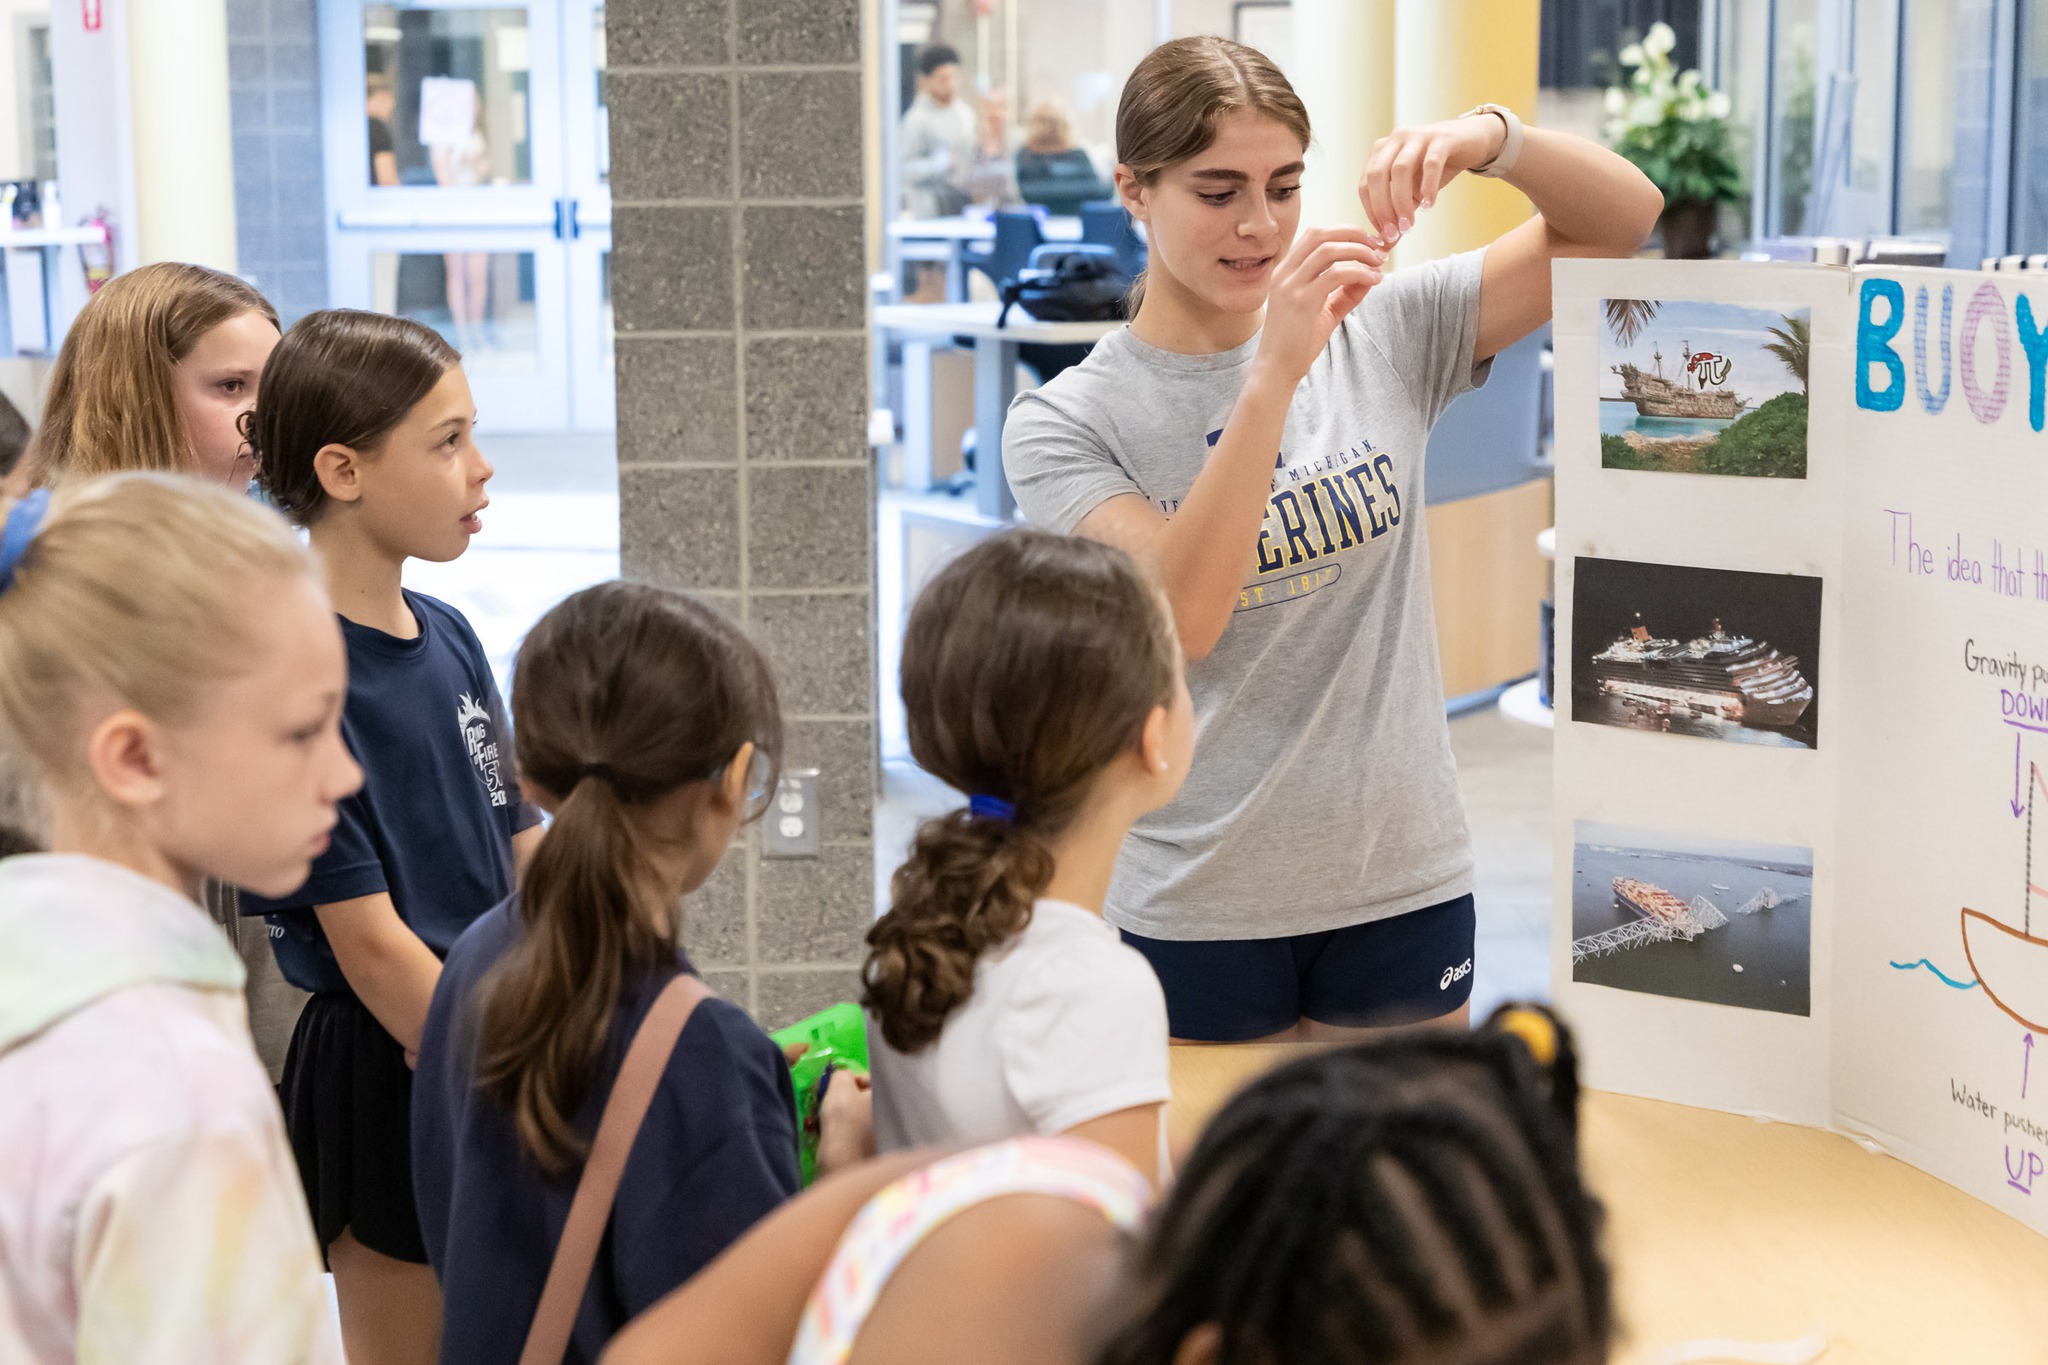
(1041, 674)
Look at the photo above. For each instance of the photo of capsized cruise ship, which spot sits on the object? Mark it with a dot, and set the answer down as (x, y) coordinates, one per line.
(1729, 676)
(1678, 649)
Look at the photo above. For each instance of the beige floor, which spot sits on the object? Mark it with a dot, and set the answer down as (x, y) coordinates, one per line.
(1504, 769)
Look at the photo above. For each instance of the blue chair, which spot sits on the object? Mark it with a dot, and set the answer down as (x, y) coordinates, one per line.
(1017, 234)
(1105, 222)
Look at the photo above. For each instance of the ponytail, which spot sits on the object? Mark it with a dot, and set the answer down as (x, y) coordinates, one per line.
(1414, 1198)
(967, 887)
(623, 694)
(1029, 664)
(549, 1012)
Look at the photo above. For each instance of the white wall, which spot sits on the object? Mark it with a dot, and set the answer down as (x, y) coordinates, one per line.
(95, 134)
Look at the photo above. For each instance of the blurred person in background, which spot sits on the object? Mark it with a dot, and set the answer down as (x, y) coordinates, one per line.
(939, 137)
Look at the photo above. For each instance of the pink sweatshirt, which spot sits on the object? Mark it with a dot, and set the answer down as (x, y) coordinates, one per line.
(149, 1206)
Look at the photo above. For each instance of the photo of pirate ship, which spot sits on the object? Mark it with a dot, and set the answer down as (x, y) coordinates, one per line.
(1709, 653)
(1703, 388)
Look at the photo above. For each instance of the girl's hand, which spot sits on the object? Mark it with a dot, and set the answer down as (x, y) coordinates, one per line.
(846, 1122)
(1409, 166)
(1324, 275)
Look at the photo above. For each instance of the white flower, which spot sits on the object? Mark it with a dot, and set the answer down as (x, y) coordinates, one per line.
(1646, 113)
(1689, 82)
(1660, 39)
(1719, 105)
(1692, 110)
(1632, 55)
(1616, 103)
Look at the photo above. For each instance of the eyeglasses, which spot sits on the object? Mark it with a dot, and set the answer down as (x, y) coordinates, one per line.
(760, 771)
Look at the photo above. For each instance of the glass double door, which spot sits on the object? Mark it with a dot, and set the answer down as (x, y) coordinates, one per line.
(467, 169)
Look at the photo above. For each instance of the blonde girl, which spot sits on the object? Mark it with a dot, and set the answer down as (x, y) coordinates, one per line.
(158, 372)
(174, 681)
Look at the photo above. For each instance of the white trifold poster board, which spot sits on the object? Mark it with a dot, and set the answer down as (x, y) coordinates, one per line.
(1802, 701)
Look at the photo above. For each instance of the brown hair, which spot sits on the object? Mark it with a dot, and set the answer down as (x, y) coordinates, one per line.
(623, 693)
(138, 586)
(113, 404)
(1180, 91)
(340, 377)
(1030, 662)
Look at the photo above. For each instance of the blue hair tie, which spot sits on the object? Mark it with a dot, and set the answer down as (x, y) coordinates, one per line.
(992, 808)
(23, 521)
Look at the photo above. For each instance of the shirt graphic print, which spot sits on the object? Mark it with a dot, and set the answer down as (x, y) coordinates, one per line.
(474, 718)
(1317, 510)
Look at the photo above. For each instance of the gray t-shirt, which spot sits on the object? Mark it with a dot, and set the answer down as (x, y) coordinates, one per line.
(1323, 792)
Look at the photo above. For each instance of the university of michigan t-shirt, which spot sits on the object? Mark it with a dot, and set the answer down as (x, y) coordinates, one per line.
(1323, 792)
(434, 821)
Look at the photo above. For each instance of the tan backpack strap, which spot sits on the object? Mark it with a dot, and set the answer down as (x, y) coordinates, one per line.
(547, 1341)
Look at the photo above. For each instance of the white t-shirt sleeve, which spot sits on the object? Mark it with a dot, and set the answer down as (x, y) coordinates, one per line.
(1059, 469)
(1425, 321)
(1084, 1035)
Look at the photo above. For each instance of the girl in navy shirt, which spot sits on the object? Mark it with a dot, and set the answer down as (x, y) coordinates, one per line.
(363, 430)
(648, 726)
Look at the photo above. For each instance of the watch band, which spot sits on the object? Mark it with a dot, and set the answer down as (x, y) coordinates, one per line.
(1510, 149)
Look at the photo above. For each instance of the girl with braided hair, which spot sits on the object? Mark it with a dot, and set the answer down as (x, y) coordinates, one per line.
(1414, 1200)
(1040, 675)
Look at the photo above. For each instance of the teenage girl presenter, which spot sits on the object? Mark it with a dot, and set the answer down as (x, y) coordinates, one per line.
(1256, 437)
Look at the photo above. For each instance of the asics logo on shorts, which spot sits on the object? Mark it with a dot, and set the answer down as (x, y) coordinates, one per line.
(1457, 973)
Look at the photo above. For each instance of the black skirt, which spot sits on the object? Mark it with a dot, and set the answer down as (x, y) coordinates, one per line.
(347, 1096)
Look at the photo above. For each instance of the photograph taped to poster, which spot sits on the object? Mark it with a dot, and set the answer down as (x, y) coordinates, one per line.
(1712, 653)
(1704, 388)
(1724, 921)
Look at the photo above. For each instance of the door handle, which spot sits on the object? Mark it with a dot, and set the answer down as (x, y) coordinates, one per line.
(575, 224)
(565, 219)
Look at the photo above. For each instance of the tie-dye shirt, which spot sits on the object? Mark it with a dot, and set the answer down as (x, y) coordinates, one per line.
(890, 1225)
(149, 1206)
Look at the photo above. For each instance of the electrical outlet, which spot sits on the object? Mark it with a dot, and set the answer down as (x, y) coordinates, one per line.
(790, 828)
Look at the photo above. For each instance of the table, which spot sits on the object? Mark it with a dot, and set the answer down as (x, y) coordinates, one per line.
(947, 239)
(1723, 1227)
(41, 297)
(920, 326)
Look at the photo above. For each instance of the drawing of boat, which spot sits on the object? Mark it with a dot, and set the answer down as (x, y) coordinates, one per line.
(2011, 965)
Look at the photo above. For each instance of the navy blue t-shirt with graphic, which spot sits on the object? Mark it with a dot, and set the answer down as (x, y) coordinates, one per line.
(434, 821)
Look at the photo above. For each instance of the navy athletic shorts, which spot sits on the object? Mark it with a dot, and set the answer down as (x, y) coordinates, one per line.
(1401, 970)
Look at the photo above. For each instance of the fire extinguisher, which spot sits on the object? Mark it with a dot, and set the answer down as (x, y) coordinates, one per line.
(98, 256)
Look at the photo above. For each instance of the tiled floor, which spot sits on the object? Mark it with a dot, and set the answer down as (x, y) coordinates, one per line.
(552, 528)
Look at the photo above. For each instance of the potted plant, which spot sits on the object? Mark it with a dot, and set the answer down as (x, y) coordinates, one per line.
(1675, 130)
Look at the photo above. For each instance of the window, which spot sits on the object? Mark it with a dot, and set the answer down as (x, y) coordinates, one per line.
(2030, 132)
(1927, 120)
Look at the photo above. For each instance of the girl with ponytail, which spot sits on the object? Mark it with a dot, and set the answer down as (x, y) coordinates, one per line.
(1040, 675)
(647, 725)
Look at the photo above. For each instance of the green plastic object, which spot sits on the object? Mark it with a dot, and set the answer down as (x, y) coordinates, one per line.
(837, 1039)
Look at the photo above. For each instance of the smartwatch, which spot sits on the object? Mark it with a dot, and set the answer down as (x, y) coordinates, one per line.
(1510, 149)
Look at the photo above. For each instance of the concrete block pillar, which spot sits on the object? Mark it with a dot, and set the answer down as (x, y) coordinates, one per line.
(738, 278)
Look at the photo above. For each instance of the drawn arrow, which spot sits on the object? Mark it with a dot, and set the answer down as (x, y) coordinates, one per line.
(2026, 1061)
(2018, 807)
